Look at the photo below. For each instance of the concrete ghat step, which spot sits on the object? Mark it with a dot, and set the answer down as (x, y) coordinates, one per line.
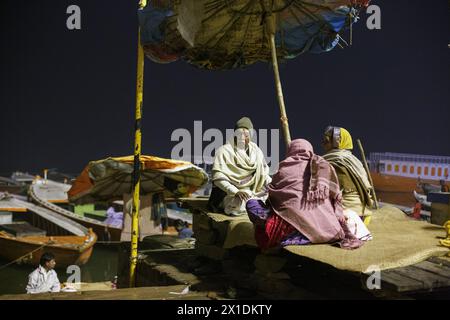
(144, 293)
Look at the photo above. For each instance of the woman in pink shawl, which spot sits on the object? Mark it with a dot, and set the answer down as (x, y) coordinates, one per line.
(304, 204)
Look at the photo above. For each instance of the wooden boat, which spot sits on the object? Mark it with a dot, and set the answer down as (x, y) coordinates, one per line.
(404, 173)
(428, 188)
(104, 232)
(51, 191)
(33, 230)
(398, 189)
(11, 186)
(390, 183)
(68, 250)
(39, 193)
(422, 199)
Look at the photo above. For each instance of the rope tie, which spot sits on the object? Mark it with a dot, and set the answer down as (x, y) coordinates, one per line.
(284, 119)
(25, 255)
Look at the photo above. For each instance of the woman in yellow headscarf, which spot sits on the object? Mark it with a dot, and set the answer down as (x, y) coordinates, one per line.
(354, 182)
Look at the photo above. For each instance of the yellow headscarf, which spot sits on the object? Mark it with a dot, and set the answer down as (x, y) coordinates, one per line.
(346, 142)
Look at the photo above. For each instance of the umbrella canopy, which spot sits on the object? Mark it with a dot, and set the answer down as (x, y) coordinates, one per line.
(112, 178)
(227, 34)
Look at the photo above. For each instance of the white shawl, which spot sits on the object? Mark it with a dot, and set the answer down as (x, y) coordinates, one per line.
(244, 171)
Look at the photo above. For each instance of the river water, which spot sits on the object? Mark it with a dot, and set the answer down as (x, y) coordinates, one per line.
(102, 266)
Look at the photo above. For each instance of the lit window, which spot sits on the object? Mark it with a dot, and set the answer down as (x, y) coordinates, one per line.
(396, 168)
(419, 170)
(439, 172)
(389, 167)
(433, 171)
(411, 170)
(426, 171)
(404, 169)
(446, 172)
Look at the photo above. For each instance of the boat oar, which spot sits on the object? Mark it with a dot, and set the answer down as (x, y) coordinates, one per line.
(363, 155)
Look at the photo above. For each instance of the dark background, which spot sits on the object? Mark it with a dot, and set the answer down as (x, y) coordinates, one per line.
(68, 97)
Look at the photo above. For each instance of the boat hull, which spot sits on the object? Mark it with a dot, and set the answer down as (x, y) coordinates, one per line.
(104, 234)
(388, 183)
(396, 189)
(68, 250)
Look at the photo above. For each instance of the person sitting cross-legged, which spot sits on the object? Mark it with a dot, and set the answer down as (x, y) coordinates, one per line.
(239, 173)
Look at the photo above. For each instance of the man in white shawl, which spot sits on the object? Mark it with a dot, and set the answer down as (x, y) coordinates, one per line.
(239, 173)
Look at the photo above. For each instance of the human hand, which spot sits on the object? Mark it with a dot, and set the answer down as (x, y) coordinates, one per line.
(243, 196)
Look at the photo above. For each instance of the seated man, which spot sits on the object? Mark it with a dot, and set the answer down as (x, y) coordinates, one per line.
(305, 204)
(183, 229)
(115, 215)
(44, 278)
(356, 189)
(240, 172)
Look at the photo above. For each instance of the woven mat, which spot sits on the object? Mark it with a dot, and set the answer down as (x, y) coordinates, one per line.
(398, 241)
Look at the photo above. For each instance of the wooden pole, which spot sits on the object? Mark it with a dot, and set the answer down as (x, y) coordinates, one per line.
(363, 155)
(271, 28)
(137, 157)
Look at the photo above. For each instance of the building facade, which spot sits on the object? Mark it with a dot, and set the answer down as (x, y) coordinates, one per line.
(411, 165)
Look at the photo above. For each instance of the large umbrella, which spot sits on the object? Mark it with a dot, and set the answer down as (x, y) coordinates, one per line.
(112, 178)
(226, 34)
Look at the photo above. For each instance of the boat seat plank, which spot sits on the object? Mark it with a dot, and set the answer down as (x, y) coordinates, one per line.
(22, 229)
(440, 261)
(426, 275)
(437, 269)
(399, 283)
(429, 280)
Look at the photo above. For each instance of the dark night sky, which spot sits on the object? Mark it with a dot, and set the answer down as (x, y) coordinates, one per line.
(68, 97)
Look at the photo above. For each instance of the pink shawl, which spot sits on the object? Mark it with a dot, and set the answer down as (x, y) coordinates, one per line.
(305, 193)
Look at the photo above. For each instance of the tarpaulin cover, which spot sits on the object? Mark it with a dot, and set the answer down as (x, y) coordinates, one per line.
(226, 34)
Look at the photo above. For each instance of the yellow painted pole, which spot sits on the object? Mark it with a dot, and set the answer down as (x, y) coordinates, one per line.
(271, 29)
(137, 157)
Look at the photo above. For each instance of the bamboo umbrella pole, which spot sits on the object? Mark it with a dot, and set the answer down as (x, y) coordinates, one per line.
(363, 155)
(271, 27)
(137, 157)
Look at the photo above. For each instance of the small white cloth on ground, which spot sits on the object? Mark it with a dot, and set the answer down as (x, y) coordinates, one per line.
(357, 226)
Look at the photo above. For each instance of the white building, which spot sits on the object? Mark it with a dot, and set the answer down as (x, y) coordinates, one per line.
(411, 165)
